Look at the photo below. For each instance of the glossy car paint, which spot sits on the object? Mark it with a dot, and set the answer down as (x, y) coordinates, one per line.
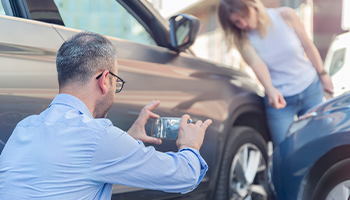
(301, 160)
(182, 82)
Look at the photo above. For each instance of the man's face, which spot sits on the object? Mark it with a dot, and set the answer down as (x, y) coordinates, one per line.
(105, 104)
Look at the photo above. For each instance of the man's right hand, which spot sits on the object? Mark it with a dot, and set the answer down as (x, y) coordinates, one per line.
(191, 135)
(276, 99)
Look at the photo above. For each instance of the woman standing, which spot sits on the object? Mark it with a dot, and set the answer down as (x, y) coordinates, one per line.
(274, 43)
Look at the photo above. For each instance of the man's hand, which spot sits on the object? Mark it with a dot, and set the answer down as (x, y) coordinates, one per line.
(191, 135)
(137, 130)
(276, 99)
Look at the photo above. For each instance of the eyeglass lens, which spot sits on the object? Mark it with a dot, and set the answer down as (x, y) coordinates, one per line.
(119, 85)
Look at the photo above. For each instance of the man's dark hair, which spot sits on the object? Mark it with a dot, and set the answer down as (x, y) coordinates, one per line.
(82, 56)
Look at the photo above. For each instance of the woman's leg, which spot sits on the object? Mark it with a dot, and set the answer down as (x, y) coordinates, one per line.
(280, 120)
(311, 96)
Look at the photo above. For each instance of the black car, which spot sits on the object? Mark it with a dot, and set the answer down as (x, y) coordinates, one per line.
(155, 59)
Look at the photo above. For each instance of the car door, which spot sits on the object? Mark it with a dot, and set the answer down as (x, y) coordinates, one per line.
(28, 78)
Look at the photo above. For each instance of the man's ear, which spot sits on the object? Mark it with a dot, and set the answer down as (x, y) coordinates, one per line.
(102, 82)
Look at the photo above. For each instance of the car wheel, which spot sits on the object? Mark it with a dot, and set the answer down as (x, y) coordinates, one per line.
(243, 172)
(335, 183)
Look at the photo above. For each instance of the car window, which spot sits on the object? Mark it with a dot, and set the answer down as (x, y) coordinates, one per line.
(337, 61)
(2, 11)
(106, 17)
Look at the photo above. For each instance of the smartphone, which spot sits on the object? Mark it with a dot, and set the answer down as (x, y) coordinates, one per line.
(166, 127)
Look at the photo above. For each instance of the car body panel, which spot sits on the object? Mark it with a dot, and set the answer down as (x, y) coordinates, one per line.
(27, 61)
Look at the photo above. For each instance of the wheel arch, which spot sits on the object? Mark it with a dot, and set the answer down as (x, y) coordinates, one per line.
(250, 115)
(255, 120)
(320, 167)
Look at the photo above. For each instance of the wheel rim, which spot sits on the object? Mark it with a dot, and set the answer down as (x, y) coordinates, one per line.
(248, 174)
(340, 191)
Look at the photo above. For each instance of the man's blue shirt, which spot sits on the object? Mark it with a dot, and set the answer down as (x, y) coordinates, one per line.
(64, 153)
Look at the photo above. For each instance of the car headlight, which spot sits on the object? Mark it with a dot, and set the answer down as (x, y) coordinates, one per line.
(300, 123)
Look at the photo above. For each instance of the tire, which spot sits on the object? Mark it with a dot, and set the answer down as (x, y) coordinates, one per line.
(335, 183)
(243, 143)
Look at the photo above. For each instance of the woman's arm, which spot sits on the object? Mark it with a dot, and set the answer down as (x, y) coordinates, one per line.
(292, 20)
(260, 69)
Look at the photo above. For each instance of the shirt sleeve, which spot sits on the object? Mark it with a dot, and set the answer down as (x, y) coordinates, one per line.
(120, 159)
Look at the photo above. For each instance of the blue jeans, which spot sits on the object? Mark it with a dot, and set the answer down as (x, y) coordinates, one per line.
(280, 120)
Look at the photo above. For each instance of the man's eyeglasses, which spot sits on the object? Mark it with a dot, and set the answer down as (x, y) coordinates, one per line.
(120, 82)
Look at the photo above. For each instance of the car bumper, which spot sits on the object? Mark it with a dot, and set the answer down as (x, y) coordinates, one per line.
(286, 175)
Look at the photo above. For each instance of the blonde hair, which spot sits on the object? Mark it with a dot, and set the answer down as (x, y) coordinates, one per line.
(235, 36)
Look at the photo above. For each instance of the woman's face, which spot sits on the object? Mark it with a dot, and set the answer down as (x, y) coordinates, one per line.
(246, 23)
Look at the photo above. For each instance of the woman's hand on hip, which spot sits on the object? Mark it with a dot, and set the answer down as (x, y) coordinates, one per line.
(327, 83)
(276, 99)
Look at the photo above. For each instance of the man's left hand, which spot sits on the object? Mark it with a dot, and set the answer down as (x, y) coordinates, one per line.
(137, 130)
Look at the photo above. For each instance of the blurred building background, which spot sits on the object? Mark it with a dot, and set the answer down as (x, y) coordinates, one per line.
(322, 20)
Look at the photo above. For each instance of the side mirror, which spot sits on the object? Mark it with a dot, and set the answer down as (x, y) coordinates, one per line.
(183, 31)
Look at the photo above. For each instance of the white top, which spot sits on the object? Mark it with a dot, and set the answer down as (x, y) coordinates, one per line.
(281, 50)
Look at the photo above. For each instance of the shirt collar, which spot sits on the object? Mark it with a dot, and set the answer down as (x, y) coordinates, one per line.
(71, 101)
